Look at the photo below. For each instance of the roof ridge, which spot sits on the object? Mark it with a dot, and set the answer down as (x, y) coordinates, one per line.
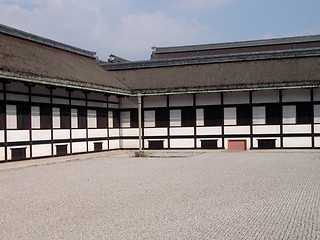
(45, 41)
(237, 44)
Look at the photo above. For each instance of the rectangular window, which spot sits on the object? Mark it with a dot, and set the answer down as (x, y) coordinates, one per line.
(209, 144)
(134, 118)
(161, 117)
(92, 119)
(35, 117)
(110, 119)
(2, 116)
(149, 119)
(259, 115)
(125, 119)
(82, 118)
(304, 113)
(175, 118)
(24, 118)
(317, 113)
(188, 117)
(289, 114)
(11, 116)
(102, 118)
(74, 118)
(56, 117)
(244, 115)
(65, 117)
(213, 116)
(116, 118)
(45, 117)
(273, 114)
(230, 116)
(18, 153)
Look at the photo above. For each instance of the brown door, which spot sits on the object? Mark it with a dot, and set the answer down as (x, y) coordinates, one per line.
(237, 145)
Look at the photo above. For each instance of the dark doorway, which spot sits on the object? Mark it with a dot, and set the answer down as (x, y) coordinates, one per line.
(155, 144)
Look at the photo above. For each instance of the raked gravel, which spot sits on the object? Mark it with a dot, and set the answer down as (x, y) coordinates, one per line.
(206, 195)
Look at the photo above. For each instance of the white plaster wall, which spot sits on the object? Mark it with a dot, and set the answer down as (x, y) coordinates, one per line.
(129, 102)
(266, 129)
(92, 118)
(305, 128)
(155, 101)
(61, 134)
(60, 92)
(41, 89)
(63, 101)
(316, 94)
(35, 117)
(17, 87)
(40, 99)
(2, 153)
(41, 135)
(155, 132)
(110, 119)
(237, 130)
(18, 135)
(316, 113)
(78, 102)
(1, 95)
(56, 117)
(114, 144)
(58, 144)
(317, 141)
(1, 135)
(219, 141)
(180, 100)
(297, 142)
(41, 150)
(296, 95)
(181, 131)
(317, 128)
(98, 104)
(149, 118)
(146, 142)
(259, 115)
(114, 132)
(289, 114)
(208, 99)
(230, 116)
(200, 117)
(125, 119)
(236, 98)
(11, 116)
(175, 118)
(94, 133)
(129, 143)
(27, 151)
(265, 96)
(74, 118)
(182, 143)
(129, 132)
(79, 133)
(226, 141)
(209, 130)
(255, 141)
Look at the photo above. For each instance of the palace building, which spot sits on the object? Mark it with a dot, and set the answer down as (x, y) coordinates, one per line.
(57, 99)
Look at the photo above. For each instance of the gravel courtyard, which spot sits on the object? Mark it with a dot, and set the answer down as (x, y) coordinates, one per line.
(211, 195)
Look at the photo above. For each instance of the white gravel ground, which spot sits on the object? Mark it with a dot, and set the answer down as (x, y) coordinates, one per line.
(212, 195)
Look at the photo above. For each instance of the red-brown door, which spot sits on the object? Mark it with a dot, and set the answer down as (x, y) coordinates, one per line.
(237, 145)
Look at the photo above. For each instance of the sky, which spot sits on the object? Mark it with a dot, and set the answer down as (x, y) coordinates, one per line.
(129, 28)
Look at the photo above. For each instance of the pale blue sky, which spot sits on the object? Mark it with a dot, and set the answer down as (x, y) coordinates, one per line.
(129, 28)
